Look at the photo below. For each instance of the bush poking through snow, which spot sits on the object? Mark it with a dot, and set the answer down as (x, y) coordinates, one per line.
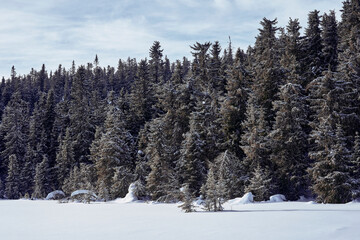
(85, 196)
(55, 195)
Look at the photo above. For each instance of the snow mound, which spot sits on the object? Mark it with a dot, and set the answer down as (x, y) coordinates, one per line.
(130, 196)
(55, 195)
(246, 199)
(277, 198)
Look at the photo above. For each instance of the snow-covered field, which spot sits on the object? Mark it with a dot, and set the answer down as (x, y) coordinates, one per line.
(37, 220)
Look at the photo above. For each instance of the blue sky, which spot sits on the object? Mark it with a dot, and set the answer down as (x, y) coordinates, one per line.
(56, 32)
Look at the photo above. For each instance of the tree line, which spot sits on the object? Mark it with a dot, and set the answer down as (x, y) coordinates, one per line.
(280, 117)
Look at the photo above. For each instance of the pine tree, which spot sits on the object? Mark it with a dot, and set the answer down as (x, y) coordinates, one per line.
(2, 189)
(41, 182)
(114, 151)
(193, 162)
(329, 36)
(261, 184)
(355, 167)
(200, 66)
(141, 98)
(213, 195)
(216, 77)
(231, 174)
(267, 74)
(289, 141)
(187, 206)
(162, 181)
(27, 172)
(12, 187)
(312, 61)
(233, 108)
(65, 158)
(254, 141)
(81, 129)
(156, 63)
(330, 172)
(14, 128)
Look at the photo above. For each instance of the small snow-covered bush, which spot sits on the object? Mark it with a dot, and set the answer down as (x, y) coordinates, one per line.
(85, 196)
(55, 195)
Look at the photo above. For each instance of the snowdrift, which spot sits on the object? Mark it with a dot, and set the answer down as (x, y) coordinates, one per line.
(246, 199)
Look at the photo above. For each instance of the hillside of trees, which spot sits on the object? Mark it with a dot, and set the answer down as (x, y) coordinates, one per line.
(281, 117)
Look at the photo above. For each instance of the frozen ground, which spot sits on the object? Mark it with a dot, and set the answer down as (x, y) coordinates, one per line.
(40, 220)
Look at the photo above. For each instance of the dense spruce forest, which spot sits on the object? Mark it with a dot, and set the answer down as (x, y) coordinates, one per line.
(281, 117)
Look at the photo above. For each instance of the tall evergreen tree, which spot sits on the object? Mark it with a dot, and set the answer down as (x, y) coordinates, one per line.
(115, 150)
(330, 40)
(12, 187)
(41, 180)
(80, 122)
(14, 129)
(312, 61)
(289, 141)
(330, 172)
(267, 73)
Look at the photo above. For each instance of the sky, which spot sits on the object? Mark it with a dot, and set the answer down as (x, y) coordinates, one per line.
(54, 32)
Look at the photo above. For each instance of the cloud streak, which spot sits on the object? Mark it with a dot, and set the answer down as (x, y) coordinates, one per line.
(57, 32)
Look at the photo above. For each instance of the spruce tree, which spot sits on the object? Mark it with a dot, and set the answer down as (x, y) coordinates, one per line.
(312, 60)
(12, 187)
(261, 184)
(65, 158)
(289, 141)
(214, 195)
(330, 40)
(233, 108)
(267, 73)
(231, 174)
(41, 181)
(81, 128)
(115, 150)
(330, 172)
(355, 167)
(187, 205)
(141, 98)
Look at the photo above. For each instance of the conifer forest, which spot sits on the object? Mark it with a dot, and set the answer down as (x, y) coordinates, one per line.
(281, 117)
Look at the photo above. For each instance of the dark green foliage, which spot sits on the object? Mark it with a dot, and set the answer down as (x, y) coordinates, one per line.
(213, 191)
(187, 206)
(261, 184)
(331, 171)
(330, 40)
(231, 174)
(12, 187)
(41, 179)
(289, 141)
(65, 158)
(113, 153)
(312, 61)
(267, 73)
(280, 118)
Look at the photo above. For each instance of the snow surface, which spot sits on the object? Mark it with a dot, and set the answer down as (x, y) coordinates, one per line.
(50, 220)
(55, 194)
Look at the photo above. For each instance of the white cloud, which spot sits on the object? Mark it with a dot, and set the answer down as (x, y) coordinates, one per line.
(59, 31)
